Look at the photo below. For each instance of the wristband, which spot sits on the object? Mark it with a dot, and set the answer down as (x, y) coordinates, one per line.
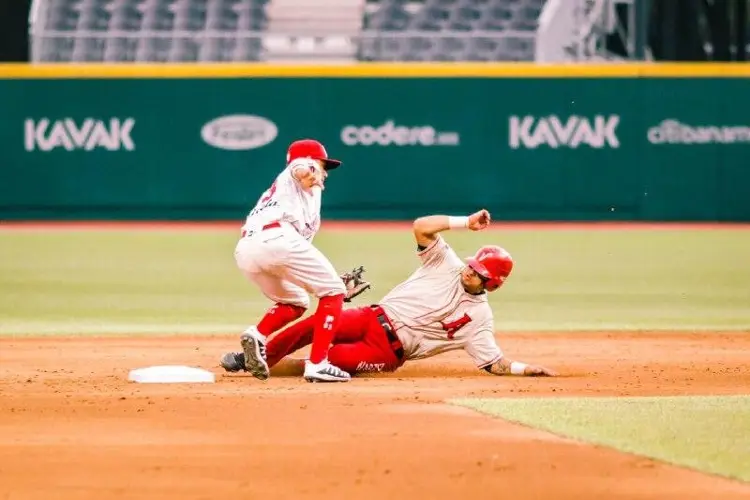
(458, 222)
(517, 368)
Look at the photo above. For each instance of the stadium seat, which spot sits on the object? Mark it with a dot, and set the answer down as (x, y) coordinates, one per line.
(152, 30)
(249, 30)
(473, 30)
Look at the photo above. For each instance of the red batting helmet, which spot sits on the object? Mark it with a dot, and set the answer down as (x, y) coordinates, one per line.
(493, 264)
(310, 148)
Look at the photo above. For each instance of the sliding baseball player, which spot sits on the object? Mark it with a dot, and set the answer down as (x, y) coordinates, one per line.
(442, 306)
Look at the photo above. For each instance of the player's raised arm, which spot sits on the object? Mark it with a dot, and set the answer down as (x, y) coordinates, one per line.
(506, 366)
(426, 228)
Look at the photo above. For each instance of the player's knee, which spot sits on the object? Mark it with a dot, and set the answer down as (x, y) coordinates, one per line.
(302, 302)
(294, 308)
(331, 289)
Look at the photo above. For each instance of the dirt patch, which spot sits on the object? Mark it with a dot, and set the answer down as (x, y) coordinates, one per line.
(71, 426)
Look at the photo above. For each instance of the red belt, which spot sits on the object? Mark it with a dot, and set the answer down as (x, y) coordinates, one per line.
(271, 225)
(390, 332)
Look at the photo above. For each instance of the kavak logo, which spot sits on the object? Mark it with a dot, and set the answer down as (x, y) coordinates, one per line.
(530, 132)
(46, 135)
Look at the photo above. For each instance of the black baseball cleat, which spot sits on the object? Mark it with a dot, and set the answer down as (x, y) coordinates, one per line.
(233, 362)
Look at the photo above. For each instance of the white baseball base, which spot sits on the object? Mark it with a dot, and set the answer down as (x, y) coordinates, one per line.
(171, 374)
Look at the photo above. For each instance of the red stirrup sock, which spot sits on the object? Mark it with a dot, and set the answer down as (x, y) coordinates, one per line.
(278, 317)
(326, 321)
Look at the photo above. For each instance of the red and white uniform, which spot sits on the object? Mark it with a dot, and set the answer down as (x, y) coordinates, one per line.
(287, 201)
(428, 314)
(432, 313)
(275, 250)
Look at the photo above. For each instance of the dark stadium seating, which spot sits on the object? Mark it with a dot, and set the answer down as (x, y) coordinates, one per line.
(153, 30)
(236, 30)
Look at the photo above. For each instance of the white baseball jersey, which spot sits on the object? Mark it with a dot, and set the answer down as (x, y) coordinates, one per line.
(286, 200)
(432, 313)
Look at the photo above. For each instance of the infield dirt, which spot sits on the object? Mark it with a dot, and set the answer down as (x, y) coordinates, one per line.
(72, 426)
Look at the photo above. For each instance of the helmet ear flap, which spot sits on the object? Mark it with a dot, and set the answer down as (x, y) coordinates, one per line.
(492, 285)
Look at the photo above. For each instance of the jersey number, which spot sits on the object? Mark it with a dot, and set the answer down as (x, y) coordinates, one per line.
(269, 193)
(456, 325)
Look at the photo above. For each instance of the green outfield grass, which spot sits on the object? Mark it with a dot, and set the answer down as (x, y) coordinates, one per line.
(141, 282)
(705, 433)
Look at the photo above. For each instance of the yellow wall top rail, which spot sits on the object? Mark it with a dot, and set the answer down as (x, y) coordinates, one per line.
(376, 70)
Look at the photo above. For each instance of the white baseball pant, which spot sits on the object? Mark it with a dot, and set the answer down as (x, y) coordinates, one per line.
(286, 267)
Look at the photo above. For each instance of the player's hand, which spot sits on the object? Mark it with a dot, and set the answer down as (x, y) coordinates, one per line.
(310, 174)
(538, 371)
(313, 177)
(319, 178)
(479, 220)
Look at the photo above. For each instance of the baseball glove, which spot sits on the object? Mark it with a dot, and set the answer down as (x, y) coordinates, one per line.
(355, 285)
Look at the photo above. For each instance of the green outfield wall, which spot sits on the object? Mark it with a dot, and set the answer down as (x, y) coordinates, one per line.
(528, 146)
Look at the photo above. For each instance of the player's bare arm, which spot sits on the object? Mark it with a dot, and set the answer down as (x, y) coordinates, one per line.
(507, 366)
(427, 228)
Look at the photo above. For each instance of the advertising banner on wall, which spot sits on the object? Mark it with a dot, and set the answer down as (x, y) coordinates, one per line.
(535, 149)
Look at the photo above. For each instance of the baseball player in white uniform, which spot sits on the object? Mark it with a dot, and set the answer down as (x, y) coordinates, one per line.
(442, 306)
(275, 252)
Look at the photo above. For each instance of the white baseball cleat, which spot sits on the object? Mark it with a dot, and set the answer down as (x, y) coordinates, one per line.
(324, 372)
(254, 347)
